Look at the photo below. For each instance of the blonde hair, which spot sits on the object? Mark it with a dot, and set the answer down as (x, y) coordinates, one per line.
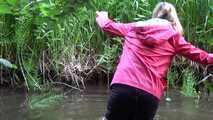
(167, 11)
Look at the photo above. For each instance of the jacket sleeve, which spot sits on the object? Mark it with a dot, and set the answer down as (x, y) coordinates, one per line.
(187, 50)
(117, 29)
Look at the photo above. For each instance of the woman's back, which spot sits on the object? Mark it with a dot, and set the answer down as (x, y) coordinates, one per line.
(147, 54)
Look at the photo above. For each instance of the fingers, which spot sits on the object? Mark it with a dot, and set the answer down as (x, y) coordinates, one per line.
(97, 12)
(101, 12)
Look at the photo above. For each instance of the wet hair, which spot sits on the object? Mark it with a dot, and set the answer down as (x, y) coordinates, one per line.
(165, 10)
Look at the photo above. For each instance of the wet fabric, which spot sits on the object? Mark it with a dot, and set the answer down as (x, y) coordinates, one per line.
(129, 103)
(148, 50)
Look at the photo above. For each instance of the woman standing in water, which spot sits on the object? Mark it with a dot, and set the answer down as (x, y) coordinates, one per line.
(148, 49)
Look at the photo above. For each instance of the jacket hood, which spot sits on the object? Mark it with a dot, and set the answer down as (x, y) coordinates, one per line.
(153, 32)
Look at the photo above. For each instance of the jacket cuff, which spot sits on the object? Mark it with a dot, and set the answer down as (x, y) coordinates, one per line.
(102, 22)
(210, 58)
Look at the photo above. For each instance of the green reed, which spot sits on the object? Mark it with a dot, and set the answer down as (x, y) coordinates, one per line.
(188, 83)
(54, 40)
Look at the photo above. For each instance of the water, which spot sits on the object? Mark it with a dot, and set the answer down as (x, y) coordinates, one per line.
(91, 105)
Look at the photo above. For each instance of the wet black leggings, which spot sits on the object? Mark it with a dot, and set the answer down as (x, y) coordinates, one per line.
(129, 103)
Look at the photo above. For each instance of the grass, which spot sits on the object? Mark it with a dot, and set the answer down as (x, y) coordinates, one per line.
(188, 83)
(44, 100)
(54, 40)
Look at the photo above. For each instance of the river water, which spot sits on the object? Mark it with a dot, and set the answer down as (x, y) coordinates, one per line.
(91, 105)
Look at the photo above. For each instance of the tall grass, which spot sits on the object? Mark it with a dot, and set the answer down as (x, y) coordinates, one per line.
(56, 41)
(188, 83)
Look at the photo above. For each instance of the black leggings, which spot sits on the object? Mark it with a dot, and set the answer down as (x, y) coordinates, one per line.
(129, 103)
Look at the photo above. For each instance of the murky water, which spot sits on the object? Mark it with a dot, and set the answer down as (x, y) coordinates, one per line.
(91, 104)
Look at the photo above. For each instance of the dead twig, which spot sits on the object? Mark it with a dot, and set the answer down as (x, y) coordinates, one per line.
(204, 79)
(61, 83)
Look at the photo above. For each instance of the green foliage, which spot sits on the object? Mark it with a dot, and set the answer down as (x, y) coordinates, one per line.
(171, 77)
(7, 6)
(61, 34)
(188, 83)
(5, 9)
(110, 53)
(28, 17)
(124, 10)
(194, 15)
(44, 100)
(209, 86)
(12, 2)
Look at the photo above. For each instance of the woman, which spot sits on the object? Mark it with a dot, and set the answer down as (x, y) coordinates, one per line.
(148, 49)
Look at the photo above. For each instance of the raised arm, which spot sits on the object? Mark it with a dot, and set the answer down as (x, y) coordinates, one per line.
(108, 25)
(187, 50)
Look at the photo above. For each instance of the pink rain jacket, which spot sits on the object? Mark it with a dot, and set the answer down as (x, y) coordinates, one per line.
(148, 49)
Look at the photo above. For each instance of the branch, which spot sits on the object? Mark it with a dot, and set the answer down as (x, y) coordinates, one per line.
(204, 79)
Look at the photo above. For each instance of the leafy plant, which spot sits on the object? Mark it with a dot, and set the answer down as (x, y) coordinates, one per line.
(44, 100)
(50, 37)
(7, 6)
(27, 16)
(109, 58)
(171, 77)
(188, 83)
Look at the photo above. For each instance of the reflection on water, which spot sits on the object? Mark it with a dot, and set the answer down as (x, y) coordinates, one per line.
(184, 108)
(91, 104)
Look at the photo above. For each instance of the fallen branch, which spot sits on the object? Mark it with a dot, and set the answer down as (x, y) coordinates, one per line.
(204, 79)
(61, 83)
